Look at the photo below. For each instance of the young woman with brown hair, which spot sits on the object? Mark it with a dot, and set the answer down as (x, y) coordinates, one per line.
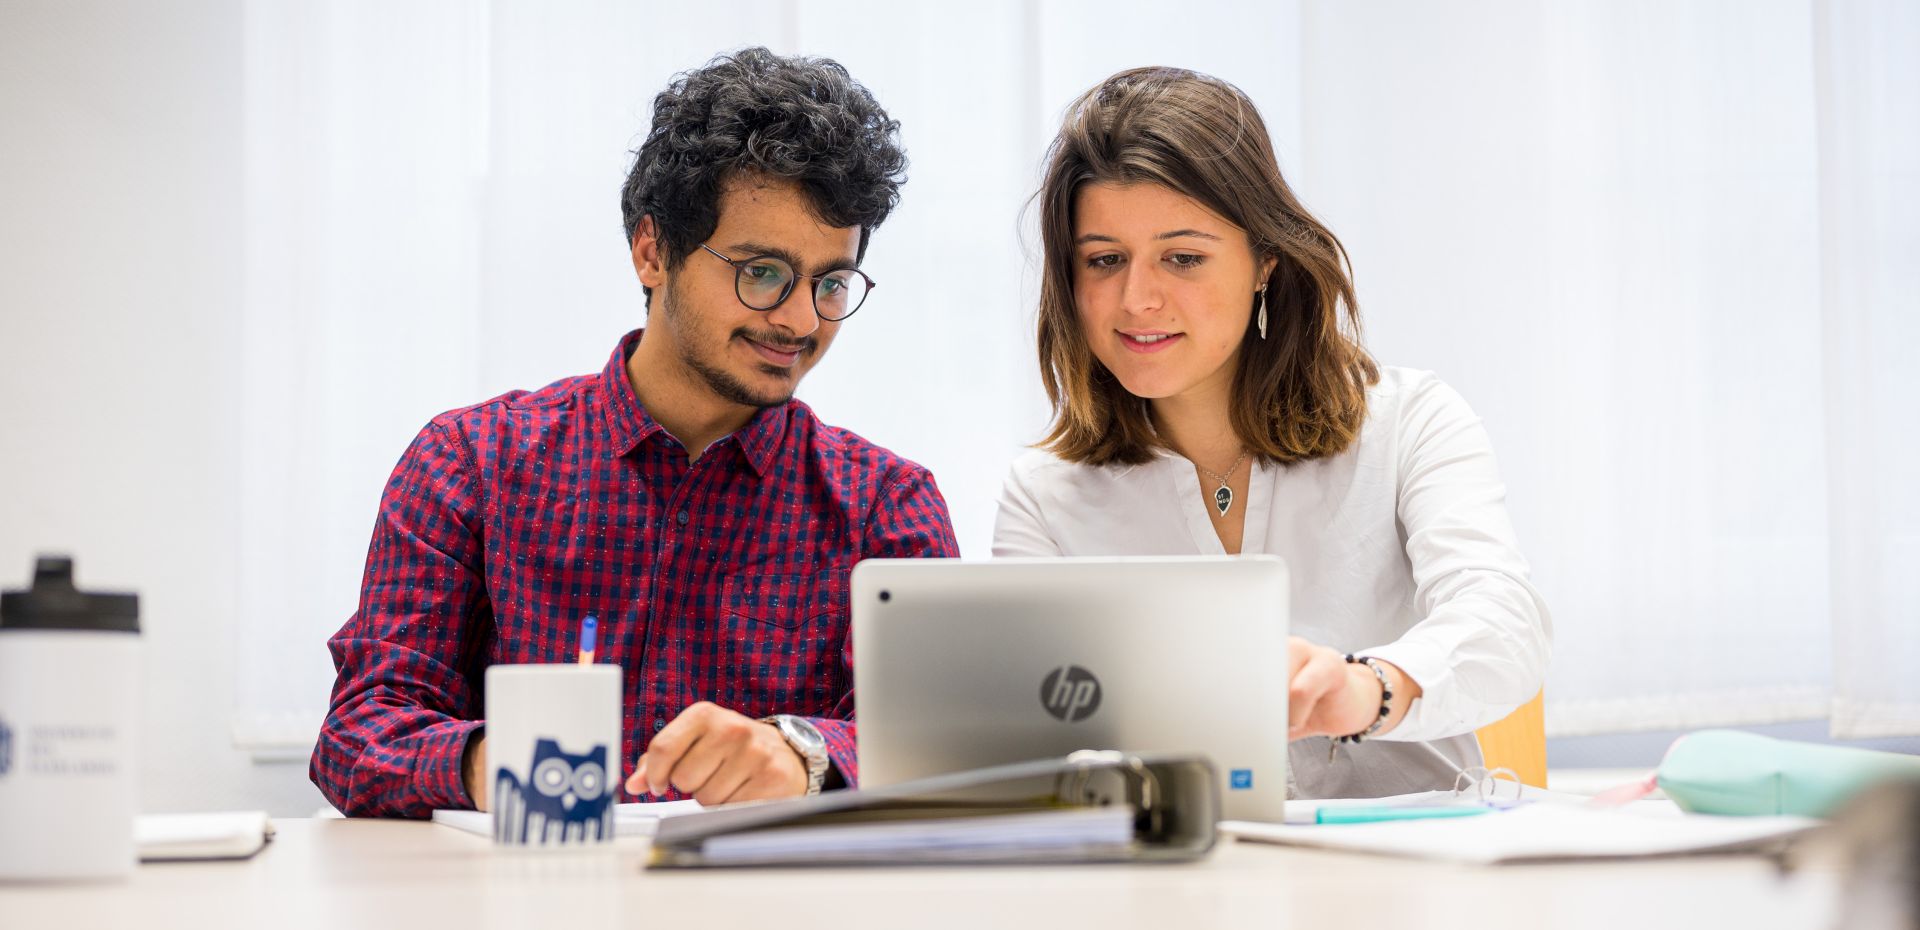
(1200, 344)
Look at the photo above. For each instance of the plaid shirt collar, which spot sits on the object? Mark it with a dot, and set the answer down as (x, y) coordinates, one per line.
(630, 425)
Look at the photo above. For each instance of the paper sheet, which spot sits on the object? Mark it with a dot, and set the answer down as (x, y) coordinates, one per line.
(1066, 832)
(628, 819)
(1538, 832)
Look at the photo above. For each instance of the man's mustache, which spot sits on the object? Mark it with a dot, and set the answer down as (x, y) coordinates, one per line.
(776, 341)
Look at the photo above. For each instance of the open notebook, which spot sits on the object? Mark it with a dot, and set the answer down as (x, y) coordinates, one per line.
(628, 819)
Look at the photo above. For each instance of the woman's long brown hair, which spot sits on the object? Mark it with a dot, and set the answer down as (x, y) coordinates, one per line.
(1299, 394)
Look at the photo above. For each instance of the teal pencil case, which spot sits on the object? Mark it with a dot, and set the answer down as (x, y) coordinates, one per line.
(1731, 772)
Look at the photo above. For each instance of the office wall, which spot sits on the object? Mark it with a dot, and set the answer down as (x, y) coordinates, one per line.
(120, 283)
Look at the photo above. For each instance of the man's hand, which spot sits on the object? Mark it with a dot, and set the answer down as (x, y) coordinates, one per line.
(471, 770)
(1329, 696)
(719, 756)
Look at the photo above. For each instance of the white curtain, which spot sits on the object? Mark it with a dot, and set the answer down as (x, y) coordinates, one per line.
(1869, 99)
(1657, 245)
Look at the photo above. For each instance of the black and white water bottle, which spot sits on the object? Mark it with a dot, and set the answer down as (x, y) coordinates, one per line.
(69, 669)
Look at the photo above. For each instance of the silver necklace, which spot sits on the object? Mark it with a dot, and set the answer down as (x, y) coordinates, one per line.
(1223, 495)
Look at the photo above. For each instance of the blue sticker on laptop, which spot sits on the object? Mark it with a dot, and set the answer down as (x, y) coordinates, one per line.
(1240, 779)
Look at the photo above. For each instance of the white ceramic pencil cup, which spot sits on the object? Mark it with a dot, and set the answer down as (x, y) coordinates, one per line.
(553, 754)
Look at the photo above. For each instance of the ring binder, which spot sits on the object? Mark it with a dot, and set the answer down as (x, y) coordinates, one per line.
(1144, 799)
(1096, 806)
(1485, 783)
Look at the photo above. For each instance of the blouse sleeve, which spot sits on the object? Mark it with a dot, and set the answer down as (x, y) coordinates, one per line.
(1481, 647)
(1018, 529)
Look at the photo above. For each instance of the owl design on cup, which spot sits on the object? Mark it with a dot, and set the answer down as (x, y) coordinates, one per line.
(568, 798)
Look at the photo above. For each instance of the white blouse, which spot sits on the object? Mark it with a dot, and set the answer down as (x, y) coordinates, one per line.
(1399, 548)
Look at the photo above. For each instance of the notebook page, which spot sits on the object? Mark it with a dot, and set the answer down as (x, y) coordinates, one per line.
(628, 819)
(1536, 832)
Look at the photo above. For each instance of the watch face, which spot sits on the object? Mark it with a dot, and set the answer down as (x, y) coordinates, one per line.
(802, 735)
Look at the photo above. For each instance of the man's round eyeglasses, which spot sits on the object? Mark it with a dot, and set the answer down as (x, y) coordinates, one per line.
(762, 282)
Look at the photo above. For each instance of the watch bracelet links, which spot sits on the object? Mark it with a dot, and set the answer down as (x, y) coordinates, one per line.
(816, 781)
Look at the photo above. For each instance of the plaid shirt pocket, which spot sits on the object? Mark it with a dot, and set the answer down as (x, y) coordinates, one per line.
(785, 633)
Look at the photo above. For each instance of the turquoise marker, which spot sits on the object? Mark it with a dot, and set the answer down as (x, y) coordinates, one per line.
(1380, 814)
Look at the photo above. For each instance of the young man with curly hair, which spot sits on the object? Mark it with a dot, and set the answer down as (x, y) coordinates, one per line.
(681, 495)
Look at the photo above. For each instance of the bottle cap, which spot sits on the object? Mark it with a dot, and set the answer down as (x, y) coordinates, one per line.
(53, 603)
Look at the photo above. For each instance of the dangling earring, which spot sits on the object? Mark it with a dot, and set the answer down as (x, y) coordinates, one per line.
(1263, 313)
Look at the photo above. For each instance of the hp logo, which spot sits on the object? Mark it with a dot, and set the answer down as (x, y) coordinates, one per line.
(1070, 693)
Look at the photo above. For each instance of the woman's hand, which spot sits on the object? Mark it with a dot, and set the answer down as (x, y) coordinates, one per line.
(1329, 696)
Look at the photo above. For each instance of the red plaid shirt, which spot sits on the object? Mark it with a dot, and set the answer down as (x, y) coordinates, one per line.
(507, 522)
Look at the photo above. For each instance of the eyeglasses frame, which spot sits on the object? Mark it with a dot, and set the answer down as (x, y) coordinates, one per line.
(740, 275)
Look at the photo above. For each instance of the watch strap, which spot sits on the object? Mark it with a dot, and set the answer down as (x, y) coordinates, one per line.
(815, 755)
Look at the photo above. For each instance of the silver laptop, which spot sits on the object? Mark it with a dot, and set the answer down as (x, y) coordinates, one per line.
(963, 664)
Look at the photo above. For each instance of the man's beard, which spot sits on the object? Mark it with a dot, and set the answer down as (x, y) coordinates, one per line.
(718, 380)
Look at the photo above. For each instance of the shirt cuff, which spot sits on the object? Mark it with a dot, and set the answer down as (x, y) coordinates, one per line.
(439, 750)
(1429, 717)
(842, 749)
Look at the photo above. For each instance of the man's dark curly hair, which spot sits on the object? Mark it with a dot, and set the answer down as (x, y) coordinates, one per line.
(803, 120)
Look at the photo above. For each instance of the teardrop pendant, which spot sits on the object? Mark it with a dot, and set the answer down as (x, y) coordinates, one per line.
(1222, 499)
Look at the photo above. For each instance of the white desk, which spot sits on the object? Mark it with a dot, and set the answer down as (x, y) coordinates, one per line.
(366, 873)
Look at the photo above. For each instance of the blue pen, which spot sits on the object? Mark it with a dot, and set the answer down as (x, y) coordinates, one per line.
(589, 639)
(1379, 814)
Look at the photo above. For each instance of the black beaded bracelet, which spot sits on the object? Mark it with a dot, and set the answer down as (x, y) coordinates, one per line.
(1386, 700)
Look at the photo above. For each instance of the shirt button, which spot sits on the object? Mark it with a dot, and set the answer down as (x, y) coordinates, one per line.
(658, 724)
(680, 518)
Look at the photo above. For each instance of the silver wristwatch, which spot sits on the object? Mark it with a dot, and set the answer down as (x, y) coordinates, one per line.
(805, 740)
